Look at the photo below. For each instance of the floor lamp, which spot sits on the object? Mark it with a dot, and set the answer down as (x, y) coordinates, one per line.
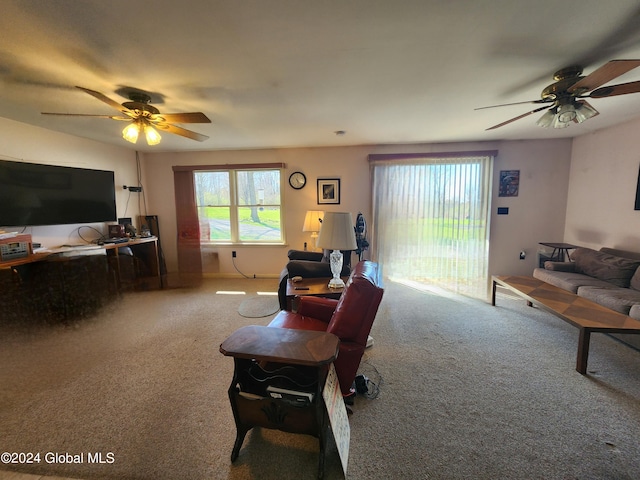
(312, 223)
(337, 234)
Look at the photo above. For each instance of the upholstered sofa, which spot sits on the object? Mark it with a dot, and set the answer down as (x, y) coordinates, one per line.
(609, 277)
(350, 318)
(308, 265)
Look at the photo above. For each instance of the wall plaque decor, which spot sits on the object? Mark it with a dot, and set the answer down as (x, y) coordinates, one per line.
(509, 183)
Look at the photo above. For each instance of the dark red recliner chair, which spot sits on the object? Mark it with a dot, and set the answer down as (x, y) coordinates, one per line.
(350, 318)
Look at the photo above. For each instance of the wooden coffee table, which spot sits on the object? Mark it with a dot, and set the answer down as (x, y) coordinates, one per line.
(584, 314)
(318, 287)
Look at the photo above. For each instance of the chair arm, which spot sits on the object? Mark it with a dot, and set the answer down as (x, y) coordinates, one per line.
(304, 255)
(560, 266)
(308, 269)
(317, 307)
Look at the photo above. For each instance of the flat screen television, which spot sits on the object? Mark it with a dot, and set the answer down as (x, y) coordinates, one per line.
(33, 194)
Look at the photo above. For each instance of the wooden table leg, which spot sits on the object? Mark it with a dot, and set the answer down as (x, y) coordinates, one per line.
(493, 294)
(583, 350)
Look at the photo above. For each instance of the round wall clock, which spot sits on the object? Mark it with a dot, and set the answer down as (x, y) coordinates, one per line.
(297, 180)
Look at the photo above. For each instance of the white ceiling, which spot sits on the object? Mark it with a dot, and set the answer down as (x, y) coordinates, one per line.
(285, 73)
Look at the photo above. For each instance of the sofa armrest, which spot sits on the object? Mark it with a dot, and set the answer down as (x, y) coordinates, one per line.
(317, 307)
(560, 266)
(305, 255)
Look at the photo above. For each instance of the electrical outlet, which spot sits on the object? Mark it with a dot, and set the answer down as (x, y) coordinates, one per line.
(523, 254)
(233, 254)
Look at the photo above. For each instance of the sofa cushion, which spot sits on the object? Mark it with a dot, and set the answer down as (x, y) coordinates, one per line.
(621, 253)
(569, 281)
(560, 266)
(635, 280)
(287, 319)
(634, 312)
(619, 299)
(605, 266)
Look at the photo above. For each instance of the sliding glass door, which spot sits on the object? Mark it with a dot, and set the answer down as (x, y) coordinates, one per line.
(431, 219)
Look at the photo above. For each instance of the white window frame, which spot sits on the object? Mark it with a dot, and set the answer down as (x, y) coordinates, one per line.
(235, 204)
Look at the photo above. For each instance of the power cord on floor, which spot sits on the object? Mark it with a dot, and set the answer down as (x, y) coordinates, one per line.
(233, 260)
(364, 385)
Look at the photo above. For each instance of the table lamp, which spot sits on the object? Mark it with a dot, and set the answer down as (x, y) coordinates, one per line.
(312, 221)
(337, 234)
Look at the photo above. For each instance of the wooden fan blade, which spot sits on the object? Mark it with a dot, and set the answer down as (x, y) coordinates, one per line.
(107, 100)
(516, 103)
(518, 117)
(192, 117)
(112, 117)
(604, 74)
(613, 90)
(181, 131)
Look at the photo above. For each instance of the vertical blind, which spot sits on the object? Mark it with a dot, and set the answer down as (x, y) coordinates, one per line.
(431, 218)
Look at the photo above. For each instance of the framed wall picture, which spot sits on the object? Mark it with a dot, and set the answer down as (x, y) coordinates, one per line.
(328, 191)
(509, 183)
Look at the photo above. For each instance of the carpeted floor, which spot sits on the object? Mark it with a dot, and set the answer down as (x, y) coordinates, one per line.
(258, 306)
(466, 391)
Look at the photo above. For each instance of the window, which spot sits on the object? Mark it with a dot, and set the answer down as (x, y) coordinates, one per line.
(431, 218)
(239, 206)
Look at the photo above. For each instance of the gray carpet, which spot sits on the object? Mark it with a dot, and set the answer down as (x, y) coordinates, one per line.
(466, 391)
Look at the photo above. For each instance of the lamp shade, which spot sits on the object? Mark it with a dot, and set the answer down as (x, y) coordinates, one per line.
(584, 111)
(546, 120)
(312, 221)
(131, 132)
(337, 232)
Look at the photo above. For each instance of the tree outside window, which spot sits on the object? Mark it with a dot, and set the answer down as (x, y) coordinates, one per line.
(239, 206)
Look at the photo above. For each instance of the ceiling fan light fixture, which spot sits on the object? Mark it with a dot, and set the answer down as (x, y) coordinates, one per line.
(546, 120)
(131, 132)
(566, 114)
(152, 135)
(559, 124)
(584, 111)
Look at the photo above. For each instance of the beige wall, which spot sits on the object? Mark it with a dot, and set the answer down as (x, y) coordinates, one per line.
(537, 214)
(602, 189)
(348, 164)
(36, 145)
(590, 182)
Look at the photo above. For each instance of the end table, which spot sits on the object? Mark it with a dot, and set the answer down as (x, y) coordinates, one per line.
(559, 250)
(263, 356)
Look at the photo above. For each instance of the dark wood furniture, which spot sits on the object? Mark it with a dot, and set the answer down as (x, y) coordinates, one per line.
(144, 249)
(71, 282)
(315, 287)
(54, 289)
(584, 314)
(147, 262)
(285, 358)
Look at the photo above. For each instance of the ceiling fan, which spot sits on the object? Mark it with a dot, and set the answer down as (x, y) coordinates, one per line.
(563, 99)
(145, 118)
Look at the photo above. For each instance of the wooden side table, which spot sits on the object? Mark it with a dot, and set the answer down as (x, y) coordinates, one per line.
(318, 287)
(560, 250)
(264, 358)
